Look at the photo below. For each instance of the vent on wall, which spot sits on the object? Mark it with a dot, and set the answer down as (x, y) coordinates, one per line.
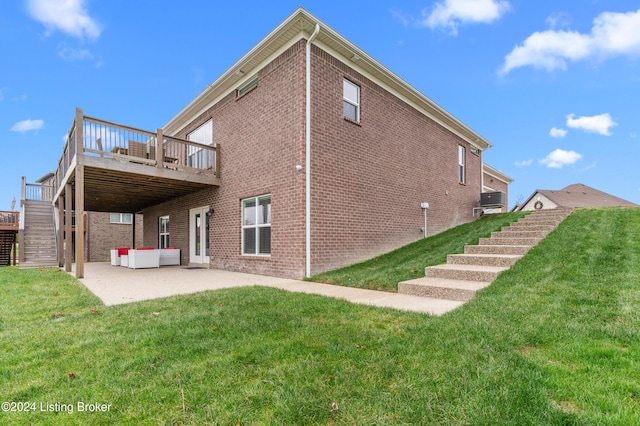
(493, 199)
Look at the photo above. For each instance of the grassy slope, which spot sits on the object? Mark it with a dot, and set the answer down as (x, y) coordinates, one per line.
(386, 271)
(555, 340)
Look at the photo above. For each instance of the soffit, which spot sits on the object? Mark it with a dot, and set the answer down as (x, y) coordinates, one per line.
(301, 24)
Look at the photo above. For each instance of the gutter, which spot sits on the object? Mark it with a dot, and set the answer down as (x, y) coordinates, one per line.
(307, 131)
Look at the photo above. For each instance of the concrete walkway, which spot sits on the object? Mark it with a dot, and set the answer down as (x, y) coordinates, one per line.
(117, 285)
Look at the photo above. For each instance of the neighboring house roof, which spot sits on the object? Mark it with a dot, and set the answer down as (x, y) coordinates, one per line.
(492, 171)
(300, 25)
(579, 195)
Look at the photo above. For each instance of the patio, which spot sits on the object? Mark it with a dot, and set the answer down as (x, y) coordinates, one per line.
(116, 285)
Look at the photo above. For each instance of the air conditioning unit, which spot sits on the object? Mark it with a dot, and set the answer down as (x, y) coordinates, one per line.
(493, 199)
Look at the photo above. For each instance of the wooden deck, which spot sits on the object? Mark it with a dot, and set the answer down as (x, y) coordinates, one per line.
(109, 167)
(9, 221)
(125, 169)
(9, 225)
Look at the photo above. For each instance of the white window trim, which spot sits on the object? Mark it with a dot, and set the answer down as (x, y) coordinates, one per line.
(355, 103)
(121, 220)
(160, 233)
(256, 226)
(247, 87)
(462, 175)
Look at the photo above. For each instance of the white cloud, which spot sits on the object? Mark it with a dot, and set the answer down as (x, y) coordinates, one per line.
(612, 34)
(560, 158)
(557, 133)
(558, 19)
(524, 163)
(71, 55)
(27, 125)
(596, 124)
(451, 13)
(68, 16)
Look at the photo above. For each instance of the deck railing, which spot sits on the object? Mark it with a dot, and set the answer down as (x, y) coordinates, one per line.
(9, 221)
(104, 139)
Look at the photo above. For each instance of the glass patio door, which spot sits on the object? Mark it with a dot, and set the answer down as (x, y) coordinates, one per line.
(199, 235)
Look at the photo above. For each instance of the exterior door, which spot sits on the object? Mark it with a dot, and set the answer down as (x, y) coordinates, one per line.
(199, 235)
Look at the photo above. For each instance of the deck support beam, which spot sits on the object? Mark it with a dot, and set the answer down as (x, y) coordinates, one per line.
(79, 193)
(60, 232)
(68, 206)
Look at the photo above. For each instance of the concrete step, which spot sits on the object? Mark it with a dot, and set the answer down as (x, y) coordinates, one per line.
(502, 260)
(464, 272)
(525, 227)
(440, 288)
(495, 241)
(495, 249)
(515, 233)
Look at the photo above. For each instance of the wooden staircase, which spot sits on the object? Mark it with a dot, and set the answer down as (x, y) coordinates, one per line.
(38, 241)
(7, 241)
(465, 274)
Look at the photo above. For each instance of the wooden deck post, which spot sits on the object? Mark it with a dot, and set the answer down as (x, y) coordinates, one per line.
(79, 193)
(60, 231)
(159, 150)
(68, 205)
(217, 174)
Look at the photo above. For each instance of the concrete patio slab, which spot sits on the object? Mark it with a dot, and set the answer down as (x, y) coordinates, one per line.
(117, 285)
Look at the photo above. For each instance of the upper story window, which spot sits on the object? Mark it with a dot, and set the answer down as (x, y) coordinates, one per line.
(124, 218)
(461, 161)
(197, 157)
(351, 100)
(247, 86)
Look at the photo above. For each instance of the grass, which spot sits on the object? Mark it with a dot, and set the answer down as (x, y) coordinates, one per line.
(406, 263)
(554, 341)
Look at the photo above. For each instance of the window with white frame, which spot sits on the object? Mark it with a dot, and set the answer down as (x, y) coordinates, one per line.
(256, 225)
(122, 218)
(247, 86)
(163, 232)
(461, 160)
(200, 158)
(351, 100)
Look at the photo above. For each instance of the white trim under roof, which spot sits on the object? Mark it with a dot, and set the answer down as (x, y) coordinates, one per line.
(300, 25)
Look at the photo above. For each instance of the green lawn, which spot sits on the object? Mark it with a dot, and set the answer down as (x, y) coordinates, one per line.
(406, 263)
(554, 341)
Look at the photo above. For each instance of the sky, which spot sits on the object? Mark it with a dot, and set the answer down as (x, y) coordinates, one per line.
(553, 85)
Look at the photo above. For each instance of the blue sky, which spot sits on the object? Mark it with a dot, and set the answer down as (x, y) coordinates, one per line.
(555, 86)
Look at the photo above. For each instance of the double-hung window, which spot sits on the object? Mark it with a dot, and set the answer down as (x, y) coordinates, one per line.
(200, 158)
(163, 232)
(351, 100)
(461, 160)
(256, 225)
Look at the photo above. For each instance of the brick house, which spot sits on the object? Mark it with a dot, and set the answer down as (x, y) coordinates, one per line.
(378, 149)
(319, 157)
(577, 195)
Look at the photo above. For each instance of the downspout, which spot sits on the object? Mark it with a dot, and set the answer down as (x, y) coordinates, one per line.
(307, 126)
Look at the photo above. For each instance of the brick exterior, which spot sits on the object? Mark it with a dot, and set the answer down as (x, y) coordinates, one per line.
(368, 178)
(261, 139)
(102, 236)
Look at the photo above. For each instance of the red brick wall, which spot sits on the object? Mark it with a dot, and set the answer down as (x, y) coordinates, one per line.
(261, 139)
(102, 236)
(369, 179)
